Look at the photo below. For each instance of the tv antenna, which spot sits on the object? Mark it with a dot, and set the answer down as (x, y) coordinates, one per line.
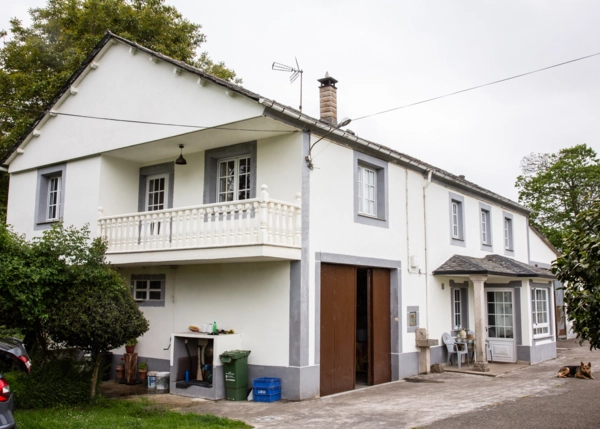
(295, 73)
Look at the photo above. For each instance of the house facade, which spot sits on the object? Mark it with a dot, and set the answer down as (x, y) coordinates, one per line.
(323, 257)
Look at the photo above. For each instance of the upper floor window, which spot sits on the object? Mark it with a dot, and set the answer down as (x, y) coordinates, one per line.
(370, 190)
(157, 189)
(367, 191)
(457, 231)
(233, 180)
(53, 202)
(509, 244)
(539, 306)
(50, 196)
(230, 173)
(485, 226)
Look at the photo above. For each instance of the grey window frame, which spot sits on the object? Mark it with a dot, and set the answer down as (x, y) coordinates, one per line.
(152, 170)
(149, 277)
(487, 210)
(44, 175)
(460, 200)
(381, 218)
(511, 250)
(211, 165)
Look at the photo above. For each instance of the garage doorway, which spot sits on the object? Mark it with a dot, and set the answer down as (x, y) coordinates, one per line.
(355, 327)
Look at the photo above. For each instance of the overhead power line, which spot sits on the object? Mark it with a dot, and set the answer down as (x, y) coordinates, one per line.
(474, 87)
(166, 124)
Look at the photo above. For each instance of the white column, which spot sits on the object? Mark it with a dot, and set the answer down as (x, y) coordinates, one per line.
(480, 334)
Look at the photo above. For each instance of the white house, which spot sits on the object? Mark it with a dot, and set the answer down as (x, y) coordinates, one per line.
(324, 274)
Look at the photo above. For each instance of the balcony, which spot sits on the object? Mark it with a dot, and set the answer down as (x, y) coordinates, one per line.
(251, 230)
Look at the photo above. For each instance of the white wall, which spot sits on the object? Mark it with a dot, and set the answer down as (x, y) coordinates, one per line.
(118, 183)
(280, 163)
(130, 87)
(539, 251)
(21, 202)
(250, 298)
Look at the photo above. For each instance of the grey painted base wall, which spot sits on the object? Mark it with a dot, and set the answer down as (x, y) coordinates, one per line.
(296, 383)
(408, 364)
(536, 353)
(153, 364)
(439, 354)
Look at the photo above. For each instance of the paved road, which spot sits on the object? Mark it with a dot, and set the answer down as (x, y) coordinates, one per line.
(531, 397)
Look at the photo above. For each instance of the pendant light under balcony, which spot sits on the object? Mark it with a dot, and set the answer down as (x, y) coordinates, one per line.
(181, 160)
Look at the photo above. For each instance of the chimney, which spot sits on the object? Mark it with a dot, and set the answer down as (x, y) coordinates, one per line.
(328, 99)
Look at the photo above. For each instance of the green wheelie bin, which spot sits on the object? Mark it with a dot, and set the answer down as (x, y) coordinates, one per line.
(235, 367)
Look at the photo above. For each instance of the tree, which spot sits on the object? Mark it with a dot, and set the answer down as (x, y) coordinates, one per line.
(579, 269)
(39, 59)
(98, 315)
(557, 187)
(59, 291)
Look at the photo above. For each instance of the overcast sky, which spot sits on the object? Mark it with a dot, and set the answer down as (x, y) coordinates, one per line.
(391, 53)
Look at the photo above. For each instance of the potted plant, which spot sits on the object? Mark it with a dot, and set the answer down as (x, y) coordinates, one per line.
(120, 370)
(143, 371)
(130, 345)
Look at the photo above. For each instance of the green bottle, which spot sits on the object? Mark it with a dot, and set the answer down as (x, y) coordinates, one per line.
(214, 328)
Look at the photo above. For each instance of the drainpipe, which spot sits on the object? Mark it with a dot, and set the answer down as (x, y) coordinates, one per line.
(425, 186)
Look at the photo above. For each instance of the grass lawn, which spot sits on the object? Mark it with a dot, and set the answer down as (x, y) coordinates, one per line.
(115, 414)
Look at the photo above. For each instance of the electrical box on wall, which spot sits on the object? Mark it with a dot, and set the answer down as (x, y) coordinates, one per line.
(414, 261)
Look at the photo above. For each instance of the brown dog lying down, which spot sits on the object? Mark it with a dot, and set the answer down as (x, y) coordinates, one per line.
(583, 371)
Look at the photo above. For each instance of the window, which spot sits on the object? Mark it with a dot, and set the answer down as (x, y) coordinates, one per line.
(367, 186)
(50, 196)
(230, 173)
(53, 201)
(485, 226)
(457, 231)
(457, 309)
(148, 289)
(508, 234)
(156, 187)
(539, 308)
(233, 182)
(460, 306)
(370, 190)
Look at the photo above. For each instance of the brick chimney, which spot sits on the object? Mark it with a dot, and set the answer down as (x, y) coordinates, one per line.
(328, 99)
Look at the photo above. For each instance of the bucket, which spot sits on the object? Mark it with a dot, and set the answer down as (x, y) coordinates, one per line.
(152, 380)
(162, 381)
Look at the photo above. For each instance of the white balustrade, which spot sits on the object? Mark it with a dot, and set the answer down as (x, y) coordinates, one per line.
(255, 221)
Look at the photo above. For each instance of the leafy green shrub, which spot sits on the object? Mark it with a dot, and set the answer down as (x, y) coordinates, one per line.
(59, 382)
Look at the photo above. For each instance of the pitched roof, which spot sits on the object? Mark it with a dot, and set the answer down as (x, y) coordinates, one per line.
(297, 118)
(490, 265)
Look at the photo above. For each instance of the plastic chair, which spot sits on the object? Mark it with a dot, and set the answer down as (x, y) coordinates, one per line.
(455, 349)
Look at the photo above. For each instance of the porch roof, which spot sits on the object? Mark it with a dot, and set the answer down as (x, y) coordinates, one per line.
(490, 265)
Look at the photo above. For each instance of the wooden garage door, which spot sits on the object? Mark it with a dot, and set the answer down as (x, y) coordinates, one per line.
(338, 328)
(380, 339)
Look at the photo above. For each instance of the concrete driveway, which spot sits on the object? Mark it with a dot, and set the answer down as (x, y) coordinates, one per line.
(522, 398)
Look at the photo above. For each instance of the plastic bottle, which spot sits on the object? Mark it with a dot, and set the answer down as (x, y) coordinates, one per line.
(187, 375)
(214, 331)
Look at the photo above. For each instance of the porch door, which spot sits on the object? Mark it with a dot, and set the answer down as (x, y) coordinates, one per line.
(338, 328)
(500, 325)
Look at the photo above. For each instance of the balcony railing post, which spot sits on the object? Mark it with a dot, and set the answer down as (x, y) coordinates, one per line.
(298, 221)
(201, 225)
(263, 234)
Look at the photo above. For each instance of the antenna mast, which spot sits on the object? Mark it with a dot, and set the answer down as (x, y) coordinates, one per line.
(295, 73)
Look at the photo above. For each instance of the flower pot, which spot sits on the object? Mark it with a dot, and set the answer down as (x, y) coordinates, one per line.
(142, 373)
(129, 349)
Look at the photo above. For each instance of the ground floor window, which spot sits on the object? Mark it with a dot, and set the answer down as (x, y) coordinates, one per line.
(539, 306)
(148, 289)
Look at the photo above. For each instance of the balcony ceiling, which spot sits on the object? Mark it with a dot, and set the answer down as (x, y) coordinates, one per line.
(198, 141)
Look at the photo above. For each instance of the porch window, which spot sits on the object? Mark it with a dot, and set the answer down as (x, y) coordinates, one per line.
(156, 186)
(233, 182)
(148, 289)
(539, 306)
(457, 308)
